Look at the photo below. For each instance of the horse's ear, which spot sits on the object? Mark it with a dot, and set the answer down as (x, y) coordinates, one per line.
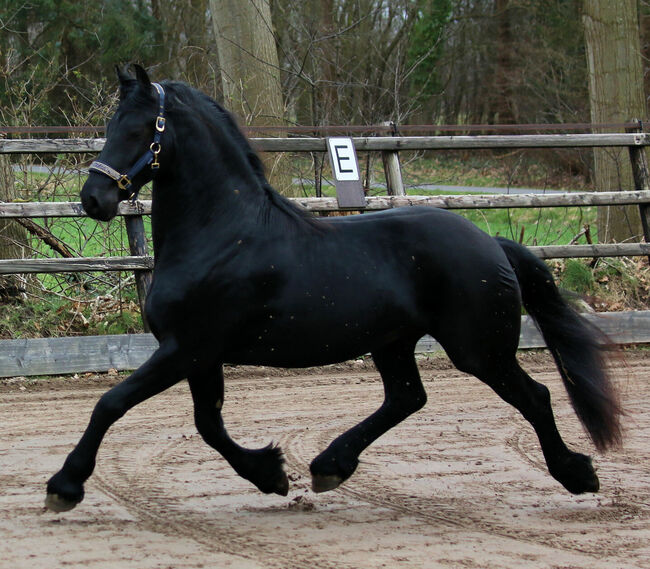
(122, 75)
(127, 81)
(142, 77)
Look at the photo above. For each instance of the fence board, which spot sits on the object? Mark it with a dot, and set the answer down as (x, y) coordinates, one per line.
(52, 356)
(75, 265)
(371, 143)
(126, 263)
(605, 250)
(578, 199)
(373, 203)
(50, 145)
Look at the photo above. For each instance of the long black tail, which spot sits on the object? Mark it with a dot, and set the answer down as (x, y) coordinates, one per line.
(577, 346)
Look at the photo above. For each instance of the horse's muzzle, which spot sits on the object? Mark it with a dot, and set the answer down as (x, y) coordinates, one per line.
(100, 204)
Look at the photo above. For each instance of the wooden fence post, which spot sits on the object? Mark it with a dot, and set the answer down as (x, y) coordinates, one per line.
(138, 247)
(392, 168)
(641, 178)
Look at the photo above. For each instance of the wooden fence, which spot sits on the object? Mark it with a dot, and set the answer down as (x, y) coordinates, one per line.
(55, 355)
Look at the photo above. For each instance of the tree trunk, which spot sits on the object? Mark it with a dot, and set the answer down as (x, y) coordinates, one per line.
(616, 95)
(502, 97)
(12, 236)
(250, 72)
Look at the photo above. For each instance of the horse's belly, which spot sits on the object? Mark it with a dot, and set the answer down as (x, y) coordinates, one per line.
(292, 343)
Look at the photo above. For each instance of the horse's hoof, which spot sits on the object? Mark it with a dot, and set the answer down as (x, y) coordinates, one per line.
(577, 474)
(324, 483)
(282, 486)
(59, 504)
(279, 484)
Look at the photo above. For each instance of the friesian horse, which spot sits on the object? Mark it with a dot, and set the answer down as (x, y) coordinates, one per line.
(244, 276)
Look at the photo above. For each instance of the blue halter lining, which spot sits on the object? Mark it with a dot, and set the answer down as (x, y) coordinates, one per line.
(125, 181)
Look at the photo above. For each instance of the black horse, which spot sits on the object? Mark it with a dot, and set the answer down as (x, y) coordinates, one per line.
(244, 276)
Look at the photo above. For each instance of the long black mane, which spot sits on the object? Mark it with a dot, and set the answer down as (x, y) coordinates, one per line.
(213, 114)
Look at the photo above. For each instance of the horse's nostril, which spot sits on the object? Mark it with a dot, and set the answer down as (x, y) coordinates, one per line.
(89, 203)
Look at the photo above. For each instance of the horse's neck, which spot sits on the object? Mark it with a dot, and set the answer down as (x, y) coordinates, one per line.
(197, 201)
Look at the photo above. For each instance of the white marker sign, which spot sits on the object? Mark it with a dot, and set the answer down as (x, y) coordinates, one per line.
(343, 158)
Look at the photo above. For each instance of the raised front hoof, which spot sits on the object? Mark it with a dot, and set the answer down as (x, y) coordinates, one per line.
(59, 504)
(577, 475)
(325, 483)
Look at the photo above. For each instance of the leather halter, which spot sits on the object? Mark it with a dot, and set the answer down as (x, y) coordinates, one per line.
(125, 181)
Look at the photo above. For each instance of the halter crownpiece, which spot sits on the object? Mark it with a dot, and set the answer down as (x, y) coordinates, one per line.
(125, 181)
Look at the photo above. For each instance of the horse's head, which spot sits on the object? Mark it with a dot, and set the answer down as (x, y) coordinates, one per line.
(134, 139)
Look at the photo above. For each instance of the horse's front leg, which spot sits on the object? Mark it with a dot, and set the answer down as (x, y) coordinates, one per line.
(404, 395)
(263, 467)
(65, 489)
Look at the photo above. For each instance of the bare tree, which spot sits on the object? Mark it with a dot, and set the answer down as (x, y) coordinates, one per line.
(616, 95)
(250, 73)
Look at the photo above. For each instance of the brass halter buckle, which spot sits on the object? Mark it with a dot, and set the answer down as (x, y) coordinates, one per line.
(124, 183)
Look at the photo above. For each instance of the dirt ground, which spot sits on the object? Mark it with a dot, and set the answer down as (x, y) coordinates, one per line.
(460, 484)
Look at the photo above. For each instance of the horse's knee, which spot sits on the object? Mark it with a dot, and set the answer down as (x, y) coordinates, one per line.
(408, 402)
(542, 394)
(539, 407)
(110, 407)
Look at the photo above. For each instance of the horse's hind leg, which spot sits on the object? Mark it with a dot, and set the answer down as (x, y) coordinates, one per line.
(533, 400)
(65, 489)
(263, 467)
(404, 395)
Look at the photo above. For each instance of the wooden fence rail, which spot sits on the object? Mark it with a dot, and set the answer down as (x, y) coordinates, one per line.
(367, 143)
(141, 263)
(373, 203)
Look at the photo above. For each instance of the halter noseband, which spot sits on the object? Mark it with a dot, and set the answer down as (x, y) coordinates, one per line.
(125, 181)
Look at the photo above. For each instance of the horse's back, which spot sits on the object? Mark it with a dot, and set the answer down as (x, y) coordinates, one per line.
(441, 245)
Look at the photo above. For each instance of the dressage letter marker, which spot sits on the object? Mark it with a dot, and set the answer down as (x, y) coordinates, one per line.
(343, 158)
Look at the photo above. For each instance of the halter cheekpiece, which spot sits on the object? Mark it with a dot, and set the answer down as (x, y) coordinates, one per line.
(125, 181)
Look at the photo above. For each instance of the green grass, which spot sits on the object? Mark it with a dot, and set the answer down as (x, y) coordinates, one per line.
(543, 226)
